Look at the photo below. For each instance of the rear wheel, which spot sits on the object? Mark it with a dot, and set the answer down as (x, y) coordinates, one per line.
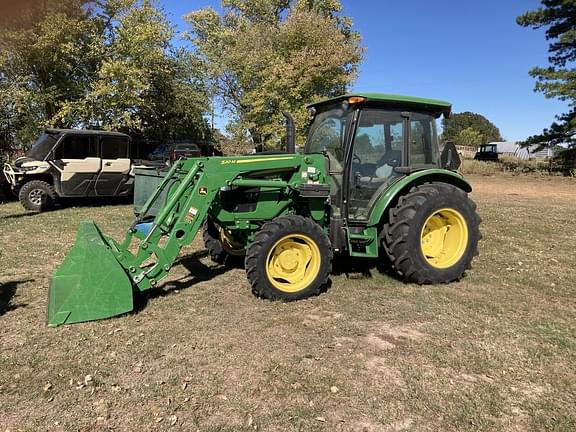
(289, 259)
(432, 234)
(37, 195)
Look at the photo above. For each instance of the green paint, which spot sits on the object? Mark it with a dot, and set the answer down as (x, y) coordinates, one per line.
(99, 274)
(389, 99)
(90, 284)
(405, 183)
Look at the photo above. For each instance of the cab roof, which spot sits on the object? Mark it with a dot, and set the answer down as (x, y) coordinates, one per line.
(434, 105)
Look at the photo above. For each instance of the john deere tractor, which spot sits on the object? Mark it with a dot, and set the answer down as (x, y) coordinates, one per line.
(370, 183)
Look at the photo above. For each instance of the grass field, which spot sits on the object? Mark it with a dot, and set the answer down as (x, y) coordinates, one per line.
(494, 352)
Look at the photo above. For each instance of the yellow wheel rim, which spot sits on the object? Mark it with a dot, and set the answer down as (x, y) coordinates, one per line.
(293, 263)
(230, 245)
(444, 238)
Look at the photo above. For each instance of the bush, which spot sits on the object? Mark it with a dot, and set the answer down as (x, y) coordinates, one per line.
(470, 166)
(514, 165)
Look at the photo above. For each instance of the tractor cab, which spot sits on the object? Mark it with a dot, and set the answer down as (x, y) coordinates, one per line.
(371, 141)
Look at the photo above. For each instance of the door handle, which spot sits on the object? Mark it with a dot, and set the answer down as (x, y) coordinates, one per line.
(107, 163)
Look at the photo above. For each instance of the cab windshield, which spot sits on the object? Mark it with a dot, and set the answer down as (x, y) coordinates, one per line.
(42, 146)
(327, 131)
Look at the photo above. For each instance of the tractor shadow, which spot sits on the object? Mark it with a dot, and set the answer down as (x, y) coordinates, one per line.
(7, 292)
(351, 267)
(198, 272)
(361, 268)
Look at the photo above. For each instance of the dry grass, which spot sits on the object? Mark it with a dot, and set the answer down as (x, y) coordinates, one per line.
(496, 351)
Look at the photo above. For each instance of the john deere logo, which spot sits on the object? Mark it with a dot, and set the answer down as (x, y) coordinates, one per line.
(203, 191)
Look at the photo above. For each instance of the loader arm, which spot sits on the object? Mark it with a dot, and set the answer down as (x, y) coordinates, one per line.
(98, 275)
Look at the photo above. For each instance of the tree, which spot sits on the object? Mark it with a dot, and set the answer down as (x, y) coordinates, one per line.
(45, 59)
(105, 63)
(269, 56)
(468, 137)
(559, 79)
(470, 127)
(143, 83)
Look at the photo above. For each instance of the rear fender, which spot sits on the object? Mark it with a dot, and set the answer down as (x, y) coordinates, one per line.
(402, 186)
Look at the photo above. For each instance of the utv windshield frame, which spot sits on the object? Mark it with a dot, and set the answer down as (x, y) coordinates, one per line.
(43, 146)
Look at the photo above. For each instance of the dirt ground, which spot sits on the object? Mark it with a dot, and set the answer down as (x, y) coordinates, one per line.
(493, 352)
(531, 187)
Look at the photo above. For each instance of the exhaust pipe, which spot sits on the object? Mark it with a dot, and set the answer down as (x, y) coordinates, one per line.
(290, 133)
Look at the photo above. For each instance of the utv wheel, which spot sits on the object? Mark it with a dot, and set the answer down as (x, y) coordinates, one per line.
(221, 248)
(289, 259)
(37, 195)
(432, 234)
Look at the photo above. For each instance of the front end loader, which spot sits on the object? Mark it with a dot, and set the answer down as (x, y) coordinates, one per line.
(371, 183)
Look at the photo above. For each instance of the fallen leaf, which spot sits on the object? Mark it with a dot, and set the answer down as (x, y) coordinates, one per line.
(173, 419)
(47, 387)
(334, 389)
(321, 419)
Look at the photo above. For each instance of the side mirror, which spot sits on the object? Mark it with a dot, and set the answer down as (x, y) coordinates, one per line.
(449, 158)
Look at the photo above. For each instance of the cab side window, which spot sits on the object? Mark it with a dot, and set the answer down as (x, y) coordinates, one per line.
(112, 147)
(423, 148)
(76, 147)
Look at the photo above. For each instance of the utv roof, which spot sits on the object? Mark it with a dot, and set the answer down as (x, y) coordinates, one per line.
(84, 132)
(434, 105)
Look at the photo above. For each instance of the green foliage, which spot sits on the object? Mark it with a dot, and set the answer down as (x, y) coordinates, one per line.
(559, 79)
(468, 128)
(45, 59)
(269, 56)
(111, 63)
(468, 137)
(143, 83)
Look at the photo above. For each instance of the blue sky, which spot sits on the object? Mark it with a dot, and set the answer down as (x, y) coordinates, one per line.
(472, 54)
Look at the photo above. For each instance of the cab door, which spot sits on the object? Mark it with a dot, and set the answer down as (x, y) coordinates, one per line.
(378, 147)
(116, 164)
(76, 159)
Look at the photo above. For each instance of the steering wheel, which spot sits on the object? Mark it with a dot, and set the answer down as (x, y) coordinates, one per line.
(356, 158)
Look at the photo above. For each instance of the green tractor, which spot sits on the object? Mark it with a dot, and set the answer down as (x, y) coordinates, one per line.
(370, 183)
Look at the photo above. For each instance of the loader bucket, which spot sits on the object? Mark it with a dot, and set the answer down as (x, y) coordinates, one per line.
(90, 284)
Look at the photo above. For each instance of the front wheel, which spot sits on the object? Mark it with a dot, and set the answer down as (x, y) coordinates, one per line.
(37, 195)
(433, 233)
(221, 246)
(289, 259)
